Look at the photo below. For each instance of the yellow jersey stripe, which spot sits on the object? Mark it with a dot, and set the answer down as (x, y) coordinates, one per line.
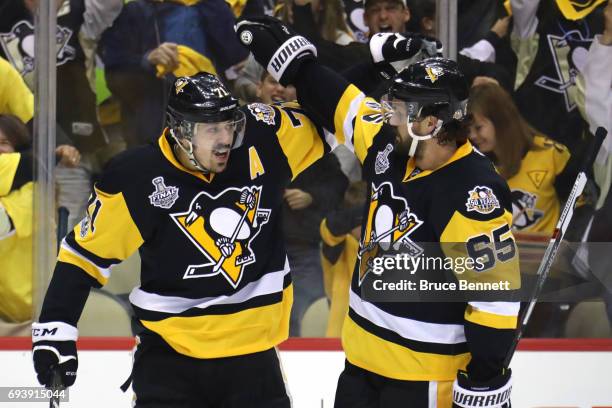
(489, 319)
(214, 336)
(71, 256)
(301, 144)
(444, 397)
(395, 361)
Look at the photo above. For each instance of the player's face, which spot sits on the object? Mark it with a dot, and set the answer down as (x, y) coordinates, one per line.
(482, 133)
(399, 119)
(5, 145)
(212, 143)
(270, 91)
(386, 16)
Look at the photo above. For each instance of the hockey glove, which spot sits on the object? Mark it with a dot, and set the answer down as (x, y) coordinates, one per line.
(275, 46)
(392, 52)
(342, 221)
(54, 348)
(494, 393)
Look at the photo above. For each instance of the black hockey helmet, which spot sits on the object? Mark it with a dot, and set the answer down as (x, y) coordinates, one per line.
(202, 98)
(433, 86)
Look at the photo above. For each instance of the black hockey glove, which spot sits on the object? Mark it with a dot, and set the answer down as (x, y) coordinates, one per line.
(494, 393)
(392, 52)
(54, 348)
(275, 46)
(342, 221)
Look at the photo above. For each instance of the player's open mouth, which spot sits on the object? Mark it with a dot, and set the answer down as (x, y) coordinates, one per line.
(385, 28)
(221, 154)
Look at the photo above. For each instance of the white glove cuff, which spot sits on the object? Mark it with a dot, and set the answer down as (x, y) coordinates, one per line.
(286, 53)
(376, 45)
(497, 398)
(54, 331)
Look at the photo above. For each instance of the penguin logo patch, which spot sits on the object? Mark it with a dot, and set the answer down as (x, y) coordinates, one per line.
(482, 200)
(222, 228)
(163, 196)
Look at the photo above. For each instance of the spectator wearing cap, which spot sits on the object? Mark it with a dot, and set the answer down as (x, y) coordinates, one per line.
(386, 16)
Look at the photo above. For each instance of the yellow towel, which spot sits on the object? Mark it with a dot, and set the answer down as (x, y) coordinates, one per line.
(190, 63)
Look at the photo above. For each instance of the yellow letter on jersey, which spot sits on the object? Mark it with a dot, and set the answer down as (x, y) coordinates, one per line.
(256, 166)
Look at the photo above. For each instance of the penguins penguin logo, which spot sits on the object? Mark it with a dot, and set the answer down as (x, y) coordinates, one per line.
(390, 223)
(223, 228)
(524, 212)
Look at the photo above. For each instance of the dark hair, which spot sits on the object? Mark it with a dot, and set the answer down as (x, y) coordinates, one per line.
(456, 131)
(15, 131)
(513, 135)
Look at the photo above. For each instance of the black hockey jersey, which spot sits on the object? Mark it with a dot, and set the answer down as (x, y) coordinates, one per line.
(451, 211)
(215, 279)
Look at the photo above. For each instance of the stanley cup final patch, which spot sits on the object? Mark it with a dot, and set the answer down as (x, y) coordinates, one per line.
(482, 200)
(163, 196)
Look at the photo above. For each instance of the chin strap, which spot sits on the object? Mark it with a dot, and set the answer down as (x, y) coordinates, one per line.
(417, 138)
(189, 153)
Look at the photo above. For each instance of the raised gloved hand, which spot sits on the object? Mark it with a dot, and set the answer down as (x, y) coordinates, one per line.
(392, 52)
(54, 349)
(275, 46)
(494, 393)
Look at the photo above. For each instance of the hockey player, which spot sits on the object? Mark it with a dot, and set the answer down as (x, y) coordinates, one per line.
(427, 184)
(202, 206)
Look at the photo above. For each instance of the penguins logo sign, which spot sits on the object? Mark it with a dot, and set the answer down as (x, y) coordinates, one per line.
(389, 226)
(222, 228)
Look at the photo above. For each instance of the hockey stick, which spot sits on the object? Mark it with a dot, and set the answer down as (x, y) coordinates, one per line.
(378, 239)
(62, 230)
(62, 225)
(234, 235)
(56, 390)
(557, 237)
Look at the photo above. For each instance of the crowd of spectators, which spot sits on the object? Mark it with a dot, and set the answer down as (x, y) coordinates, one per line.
(541, 86)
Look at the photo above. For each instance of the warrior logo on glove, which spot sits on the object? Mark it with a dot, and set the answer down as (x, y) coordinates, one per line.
(222, 228)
